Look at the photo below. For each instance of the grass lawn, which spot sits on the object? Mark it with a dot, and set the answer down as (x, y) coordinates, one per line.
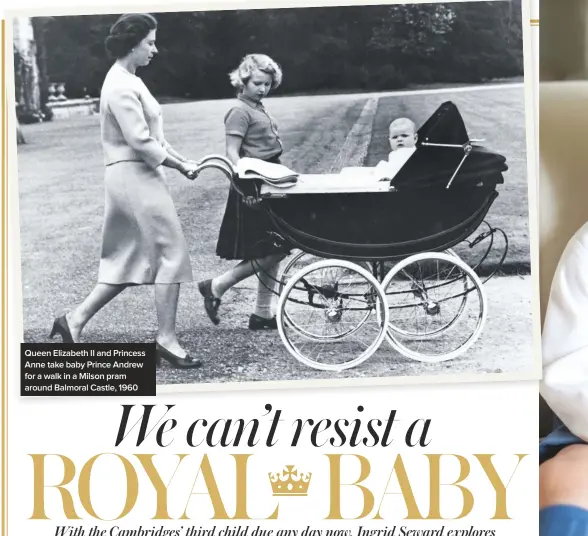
(61, 205)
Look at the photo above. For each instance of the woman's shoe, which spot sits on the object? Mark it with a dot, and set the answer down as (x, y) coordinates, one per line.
(211, 302)
(173, 359)
(61, 327)
(258, 322)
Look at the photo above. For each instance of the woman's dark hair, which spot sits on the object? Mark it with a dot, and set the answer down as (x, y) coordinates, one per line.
(127, 32)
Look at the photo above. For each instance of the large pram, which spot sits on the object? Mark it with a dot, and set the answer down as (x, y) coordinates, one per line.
(376, 259)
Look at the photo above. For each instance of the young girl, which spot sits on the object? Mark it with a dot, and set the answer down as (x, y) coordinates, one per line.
(245, 229)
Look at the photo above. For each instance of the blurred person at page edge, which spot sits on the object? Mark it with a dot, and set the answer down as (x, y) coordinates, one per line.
(142, 239)
(563, 454)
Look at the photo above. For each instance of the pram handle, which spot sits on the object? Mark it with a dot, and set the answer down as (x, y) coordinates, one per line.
(224, 159)
(226, 167)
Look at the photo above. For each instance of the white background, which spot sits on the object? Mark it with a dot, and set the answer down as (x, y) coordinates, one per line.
(496, 418)
(465, 419)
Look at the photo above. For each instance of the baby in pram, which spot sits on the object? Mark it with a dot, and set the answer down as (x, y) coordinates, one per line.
(402, 136)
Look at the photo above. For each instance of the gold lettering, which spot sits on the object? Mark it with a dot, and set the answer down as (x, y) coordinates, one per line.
(241, 483)
(335, 490)
(132, 481)
(69, 471)
(499, 488)
(405, 490)
(160, 488)
(435, 486)
(212, 491)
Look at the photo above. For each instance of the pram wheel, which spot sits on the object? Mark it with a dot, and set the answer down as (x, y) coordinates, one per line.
(403, 284)
(326, 315)
(299, 261)
(429, 294)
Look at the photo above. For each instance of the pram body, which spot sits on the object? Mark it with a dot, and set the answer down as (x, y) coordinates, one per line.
(438, 199)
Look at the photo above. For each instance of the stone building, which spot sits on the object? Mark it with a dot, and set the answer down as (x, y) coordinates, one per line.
(26, 70)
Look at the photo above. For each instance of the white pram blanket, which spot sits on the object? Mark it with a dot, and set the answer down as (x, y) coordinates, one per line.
(276, 174)
(280, 179)
(344, 182)
(396, 160)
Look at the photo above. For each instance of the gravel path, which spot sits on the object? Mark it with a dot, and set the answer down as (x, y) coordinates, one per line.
(234, 354)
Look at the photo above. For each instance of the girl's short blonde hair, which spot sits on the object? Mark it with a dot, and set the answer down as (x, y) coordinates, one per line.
(255, 62)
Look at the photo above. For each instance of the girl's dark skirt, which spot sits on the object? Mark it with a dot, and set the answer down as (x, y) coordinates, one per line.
(247, 233)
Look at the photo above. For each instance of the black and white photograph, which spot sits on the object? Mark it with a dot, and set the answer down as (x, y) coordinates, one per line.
(281, 195)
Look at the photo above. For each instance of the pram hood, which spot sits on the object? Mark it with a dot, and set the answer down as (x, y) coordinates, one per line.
(419, 214)
(431, 165)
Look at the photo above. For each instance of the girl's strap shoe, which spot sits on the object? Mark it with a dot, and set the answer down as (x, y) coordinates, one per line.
(211, 302)
(257, 322)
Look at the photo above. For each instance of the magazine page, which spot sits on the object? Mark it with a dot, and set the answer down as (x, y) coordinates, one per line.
(196, 351)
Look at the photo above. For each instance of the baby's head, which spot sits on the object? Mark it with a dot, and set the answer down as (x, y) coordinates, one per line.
(402, 134)
(256, 75)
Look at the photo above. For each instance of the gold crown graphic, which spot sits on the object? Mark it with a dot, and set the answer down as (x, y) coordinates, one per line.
(290, 482)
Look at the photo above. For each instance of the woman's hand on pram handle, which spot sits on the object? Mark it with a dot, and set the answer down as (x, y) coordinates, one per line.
(189, 169)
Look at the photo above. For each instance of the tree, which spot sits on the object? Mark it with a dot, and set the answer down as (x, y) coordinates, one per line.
(407, 40)
(489, 38)
(320, 48)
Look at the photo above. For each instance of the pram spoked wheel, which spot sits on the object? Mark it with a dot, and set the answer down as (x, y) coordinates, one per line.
(429, 294)
(326, 315)
(403, 280)
(299, 261)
